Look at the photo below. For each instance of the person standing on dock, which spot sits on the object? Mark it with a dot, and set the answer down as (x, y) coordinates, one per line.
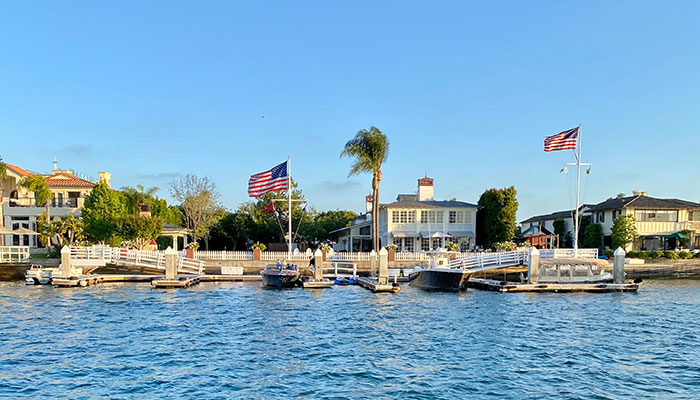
(312, 266)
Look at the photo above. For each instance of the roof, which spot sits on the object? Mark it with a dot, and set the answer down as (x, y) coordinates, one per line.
(428, 204)
(552, 216)
(357, 225)
(640, 201)
(17, 170)
(406, 197)
(66, 180)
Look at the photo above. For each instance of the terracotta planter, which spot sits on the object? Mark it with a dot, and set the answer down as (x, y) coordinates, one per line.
(189, 253)
(257, 254)
(392, 255)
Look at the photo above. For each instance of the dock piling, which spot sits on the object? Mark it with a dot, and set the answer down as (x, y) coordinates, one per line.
(619, 265)
(318, 271)
(373, 263)
(170, 263)
(65, 262)
(533, 265)
(383, 267)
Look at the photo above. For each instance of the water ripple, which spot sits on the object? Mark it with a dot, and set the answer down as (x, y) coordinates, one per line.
(226, 340)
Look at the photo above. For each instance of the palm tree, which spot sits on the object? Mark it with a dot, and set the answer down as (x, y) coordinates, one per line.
(42, 194)
(370, 149)
(3, 171)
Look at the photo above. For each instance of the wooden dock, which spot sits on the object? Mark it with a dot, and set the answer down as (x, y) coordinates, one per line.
(500, 286)
(318, 285)
(87, 280)
(371, 284)
(178, 282)
(231, 278)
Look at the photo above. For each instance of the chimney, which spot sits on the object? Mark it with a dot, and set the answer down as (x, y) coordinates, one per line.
(425, 189)
(637, 192)
(144, 210)
(105, 177)
(368, 203)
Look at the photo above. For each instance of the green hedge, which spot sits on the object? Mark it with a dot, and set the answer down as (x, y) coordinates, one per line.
(671, 255)
(643, 255)
(685, 255)
(608, 253)
(657, 254)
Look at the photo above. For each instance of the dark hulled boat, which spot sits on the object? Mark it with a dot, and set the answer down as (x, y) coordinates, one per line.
(439, 279)
(285, 277)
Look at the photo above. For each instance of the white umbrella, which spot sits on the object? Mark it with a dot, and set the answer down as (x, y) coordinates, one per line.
(24, 231)
(439, 234)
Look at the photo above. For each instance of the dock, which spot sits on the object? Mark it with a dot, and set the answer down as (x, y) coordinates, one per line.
(87, 280)
(513, 287)
(177, 282)
(373, 285)
(326, 284)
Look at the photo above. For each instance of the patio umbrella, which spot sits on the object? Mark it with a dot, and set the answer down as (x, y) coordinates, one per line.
(439, 234)
(24, 231)
(4, 231)
(677, 235)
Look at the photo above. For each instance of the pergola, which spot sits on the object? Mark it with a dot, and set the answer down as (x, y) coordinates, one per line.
(175, 232)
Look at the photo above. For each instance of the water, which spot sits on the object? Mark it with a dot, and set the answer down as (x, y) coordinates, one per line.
(233, 340)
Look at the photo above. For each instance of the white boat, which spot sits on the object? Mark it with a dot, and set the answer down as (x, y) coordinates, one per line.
(573, 270)
(40, 275)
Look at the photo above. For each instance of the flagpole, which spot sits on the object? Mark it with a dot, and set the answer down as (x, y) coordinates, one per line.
(289, 203)
(578, 189)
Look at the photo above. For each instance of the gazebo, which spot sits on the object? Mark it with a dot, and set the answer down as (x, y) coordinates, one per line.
(176, 232)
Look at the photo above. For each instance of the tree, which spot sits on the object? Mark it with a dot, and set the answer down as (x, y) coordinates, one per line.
(3, 171)
(370, 149)
(103, 209)
(199, 199)
(496, 217)
(42, 195)
(140, 230)
(593, 236)
(585, 222)
(624, 231)
(560, 229)
(326, 222)
(159, 207)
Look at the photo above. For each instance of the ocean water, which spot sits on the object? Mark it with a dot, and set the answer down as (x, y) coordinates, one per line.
(234, 340)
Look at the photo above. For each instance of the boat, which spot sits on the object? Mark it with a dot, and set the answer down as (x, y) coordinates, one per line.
(573, 270)
(437, 275)
(40, 275)
(274, 276)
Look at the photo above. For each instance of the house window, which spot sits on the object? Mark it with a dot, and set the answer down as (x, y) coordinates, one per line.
(403, 217)
(425, 244)
(456, 217)
(437, 243)
(431, 217)
(601, 217)
(695, 216)
(408, 244)
(656, 215)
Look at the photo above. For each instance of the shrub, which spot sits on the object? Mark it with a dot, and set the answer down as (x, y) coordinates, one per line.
(697, 255)
(632, 254)
(657, 254)
(504, 246)
(451, 246)
(671, 255)
(643, 255)
(392, 247)
(608, 253)
(258, 245)
(685, 255)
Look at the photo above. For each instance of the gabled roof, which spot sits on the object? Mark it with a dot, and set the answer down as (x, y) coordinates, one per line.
(644, 202)
(552, 216)
(66, 180)
(405, 197)
(428, 204)
(17, 170)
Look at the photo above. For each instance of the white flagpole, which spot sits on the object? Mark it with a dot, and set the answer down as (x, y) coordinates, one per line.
(578, 189)
(289, 203)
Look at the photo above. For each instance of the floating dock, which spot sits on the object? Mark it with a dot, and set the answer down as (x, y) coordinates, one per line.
(87, 280)
(373, 285)
(500, 286)
(178, 282)
(317, 285)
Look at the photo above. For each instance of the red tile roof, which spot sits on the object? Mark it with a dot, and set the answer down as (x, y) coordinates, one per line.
(66, 180)
(18, 170)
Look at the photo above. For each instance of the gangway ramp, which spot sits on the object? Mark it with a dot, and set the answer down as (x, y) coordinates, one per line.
(151, 259)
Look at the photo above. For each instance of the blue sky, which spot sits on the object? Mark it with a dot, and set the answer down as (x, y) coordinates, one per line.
(465, 91)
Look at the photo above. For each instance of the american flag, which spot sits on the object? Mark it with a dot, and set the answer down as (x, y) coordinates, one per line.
(268, 181)
(562, 141)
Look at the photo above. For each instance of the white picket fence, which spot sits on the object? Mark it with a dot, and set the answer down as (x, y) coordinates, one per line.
(147, 258)
(14, 254)
(224, 255)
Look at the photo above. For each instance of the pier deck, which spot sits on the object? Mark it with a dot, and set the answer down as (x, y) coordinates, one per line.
(500, 286)
(178, 282)
(318, 285)
(373, 285)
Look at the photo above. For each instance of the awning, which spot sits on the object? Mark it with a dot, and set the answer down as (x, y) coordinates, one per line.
(677, 235)
(24, 231)
(404, 234)
(461, 233)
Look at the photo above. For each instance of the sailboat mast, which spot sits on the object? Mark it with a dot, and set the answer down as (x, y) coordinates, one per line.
(289, 204)
(578, 190)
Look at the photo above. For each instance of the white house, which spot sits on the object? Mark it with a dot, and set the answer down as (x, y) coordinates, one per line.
(659, 222)
(546, 221)
(18, 207)
(415, 222)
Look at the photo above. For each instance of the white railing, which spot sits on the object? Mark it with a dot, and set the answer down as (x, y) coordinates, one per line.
(223, 255)
(483, 261)
(348, 256)
(149, 258)
(340, 270)
(14, 254)
(568, 253)
(407, 256)
(282, 255)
